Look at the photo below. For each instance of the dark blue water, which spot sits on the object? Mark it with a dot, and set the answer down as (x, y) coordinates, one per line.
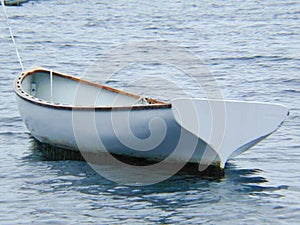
(251, 47)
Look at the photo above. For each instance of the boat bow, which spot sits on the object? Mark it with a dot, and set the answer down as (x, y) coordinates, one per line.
(229, 127)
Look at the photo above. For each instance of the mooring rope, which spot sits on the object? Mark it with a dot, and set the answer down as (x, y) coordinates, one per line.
(51, 85)
(12, 35)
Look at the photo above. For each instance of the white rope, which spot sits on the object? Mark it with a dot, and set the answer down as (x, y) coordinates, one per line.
(51, 85)
(12, 35)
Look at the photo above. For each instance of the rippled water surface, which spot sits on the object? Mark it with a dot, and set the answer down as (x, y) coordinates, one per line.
(251, 47)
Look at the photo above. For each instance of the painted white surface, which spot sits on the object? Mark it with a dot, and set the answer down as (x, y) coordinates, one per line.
(133, 133)
(229, 127)
(70, 92)
(193, 130)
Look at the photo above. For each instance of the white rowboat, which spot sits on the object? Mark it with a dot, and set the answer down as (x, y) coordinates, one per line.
(76, 114)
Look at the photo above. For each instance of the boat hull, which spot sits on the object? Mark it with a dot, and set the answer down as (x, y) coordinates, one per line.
(14, 2)
(76, 114)
(152, 134)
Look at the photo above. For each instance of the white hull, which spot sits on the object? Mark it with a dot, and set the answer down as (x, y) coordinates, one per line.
(58, 112)
(56, 127)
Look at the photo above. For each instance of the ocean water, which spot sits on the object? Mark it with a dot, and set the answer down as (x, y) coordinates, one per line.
(251, 47)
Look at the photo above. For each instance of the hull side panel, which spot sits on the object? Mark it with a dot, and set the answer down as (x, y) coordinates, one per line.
(151, 134)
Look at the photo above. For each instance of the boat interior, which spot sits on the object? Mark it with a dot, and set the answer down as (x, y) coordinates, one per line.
(60, 89)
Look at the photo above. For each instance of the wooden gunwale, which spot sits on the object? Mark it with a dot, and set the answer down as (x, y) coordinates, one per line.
(154, 104)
